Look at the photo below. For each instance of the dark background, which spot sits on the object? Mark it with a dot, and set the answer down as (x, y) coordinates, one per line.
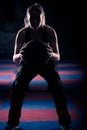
(67, 18)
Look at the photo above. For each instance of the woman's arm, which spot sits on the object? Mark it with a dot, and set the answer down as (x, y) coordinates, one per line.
(19, 41)
(53, 42)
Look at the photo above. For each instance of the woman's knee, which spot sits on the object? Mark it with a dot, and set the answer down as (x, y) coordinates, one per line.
(18, 86)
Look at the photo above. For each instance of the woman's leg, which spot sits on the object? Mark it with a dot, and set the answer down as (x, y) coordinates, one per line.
(23, 77)
(55, 85)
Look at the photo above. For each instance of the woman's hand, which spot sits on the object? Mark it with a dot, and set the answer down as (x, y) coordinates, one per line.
(17, 58)
(55, 57)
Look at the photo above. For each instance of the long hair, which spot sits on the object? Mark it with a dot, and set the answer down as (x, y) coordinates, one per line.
(37, 7)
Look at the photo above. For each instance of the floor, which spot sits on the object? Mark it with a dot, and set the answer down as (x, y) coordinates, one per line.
(38, 111)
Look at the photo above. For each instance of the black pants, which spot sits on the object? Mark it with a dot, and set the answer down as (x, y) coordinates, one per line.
(24, 76)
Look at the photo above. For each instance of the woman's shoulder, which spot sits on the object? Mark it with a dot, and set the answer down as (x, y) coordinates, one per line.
(49, 28)
(22, 30)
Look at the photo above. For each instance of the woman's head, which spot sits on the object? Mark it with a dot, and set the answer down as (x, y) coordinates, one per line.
(35, 16)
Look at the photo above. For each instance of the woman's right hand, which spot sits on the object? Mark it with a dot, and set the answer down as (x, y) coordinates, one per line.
(17, 58)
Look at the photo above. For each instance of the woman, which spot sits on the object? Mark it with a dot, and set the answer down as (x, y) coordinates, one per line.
(41, 38)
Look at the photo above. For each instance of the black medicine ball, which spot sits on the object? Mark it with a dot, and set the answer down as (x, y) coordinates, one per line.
(36, 53)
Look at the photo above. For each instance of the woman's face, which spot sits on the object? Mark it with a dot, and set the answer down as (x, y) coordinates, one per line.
(35, 19)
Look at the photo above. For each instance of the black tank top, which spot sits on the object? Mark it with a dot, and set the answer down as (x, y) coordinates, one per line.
(43, 35)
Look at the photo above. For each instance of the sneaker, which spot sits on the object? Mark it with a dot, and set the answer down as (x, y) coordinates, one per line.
(8, 127)
(66, 127)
